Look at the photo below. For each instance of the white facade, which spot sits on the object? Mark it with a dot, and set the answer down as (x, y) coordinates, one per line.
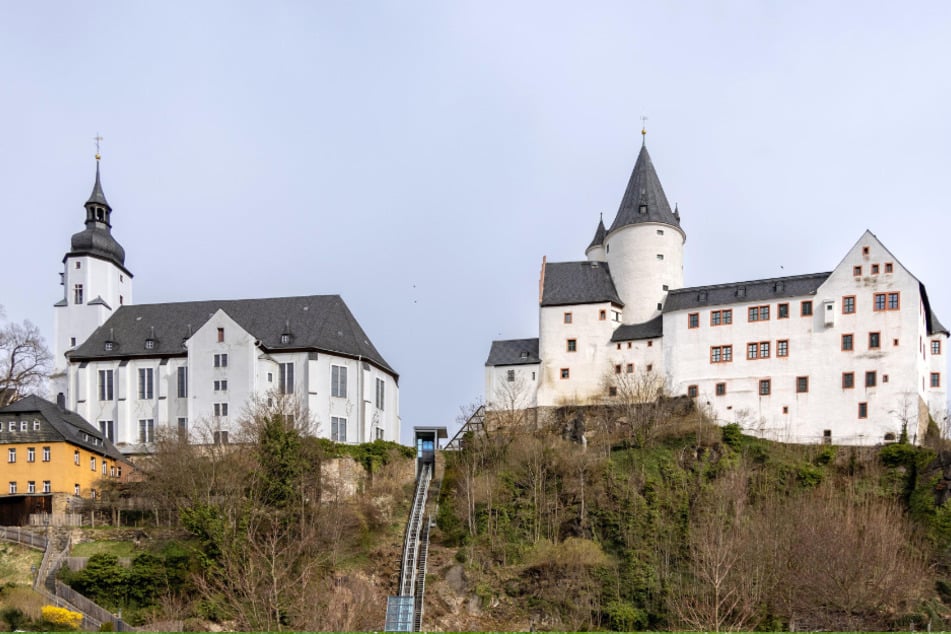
(194, 367)
(850, 357)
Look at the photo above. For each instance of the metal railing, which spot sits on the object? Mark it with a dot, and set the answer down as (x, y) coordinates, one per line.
(25, 537)
(413, 527)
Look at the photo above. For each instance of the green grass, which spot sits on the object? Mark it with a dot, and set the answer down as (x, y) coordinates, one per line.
(117, 548)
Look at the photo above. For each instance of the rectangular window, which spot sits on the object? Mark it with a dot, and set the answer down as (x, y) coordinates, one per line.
(802, 384)
(31, 487)
(782, 348)
(46, 454)
(782, 311)
(220, 437)
(935, 379)
(183, 382)
(871, 378)
(220, 409)
(693, 320)
(848, 304)
(572, 345)
(338, 381)
(221, 335)
(221, 360)
(805, 308)
(182, 427)
(11, 455)
(567, 318)
(847, 342)
(889, 267)
(31, 454)
(92, 463)
(863, 410)
(765, 387)
(286, 378)
(146, 383)
(692, 391)
(510, 376)
(752, 350)
(857, 271)
(13, 488)
(764, 350)
(936, 346)
(108, 429)
(380, 393)
(629, 368)
(879, 301)
(47, 486)
(146, 430)
(338, 429)
(894, 301)
(874, 269)
(617, 368)
(721, 354)
(758, 313)
(848, 380)
(565, 373)
(602, 315)
(874, 340)
(76, 457)
(75, 489)
(78, 294)
(721, 389)
(106, 392)
(721, 317)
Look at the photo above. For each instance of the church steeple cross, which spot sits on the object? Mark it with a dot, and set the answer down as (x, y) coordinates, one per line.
(98, 140)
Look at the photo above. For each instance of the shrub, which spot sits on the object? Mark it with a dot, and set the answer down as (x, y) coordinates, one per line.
(732, 436)
(61, 617)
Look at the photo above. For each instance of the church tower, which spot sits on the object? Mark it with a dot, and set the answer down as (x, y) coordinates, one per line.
(644, 246)
(95, 282)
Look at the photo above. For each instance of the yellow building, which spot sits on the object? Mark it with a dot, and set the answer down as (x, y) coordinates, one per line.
(49, 453)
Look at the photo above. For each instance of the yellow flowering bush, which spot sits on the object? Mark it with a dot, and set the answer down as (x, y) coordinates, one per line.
(61, 617)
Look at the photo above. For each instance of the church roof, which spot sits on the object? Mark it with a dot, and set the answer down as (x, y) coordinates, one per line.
(64, 425)
(751, 291)
(97, 197)
(514, 352)
(316, 322)
(569, 283)
(96, 239)
(644, 190)
(598, 236)
(634, 332)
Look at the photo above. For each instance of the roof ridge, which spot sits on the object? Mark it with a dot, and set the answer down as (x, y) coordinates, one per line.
(687, 289)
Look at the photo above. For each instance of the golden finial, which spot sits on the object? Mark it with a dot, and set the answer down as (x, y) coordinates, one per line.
(98, 140)
(643, 127)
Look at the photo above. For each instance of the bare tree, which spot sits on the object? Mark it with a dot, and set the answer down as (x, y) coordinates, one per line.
(510, 403)
(638, 401)
(25, 361)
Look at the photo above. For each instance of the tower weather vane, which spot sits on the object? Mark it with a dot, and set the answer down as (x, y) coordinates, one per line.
(98, 140)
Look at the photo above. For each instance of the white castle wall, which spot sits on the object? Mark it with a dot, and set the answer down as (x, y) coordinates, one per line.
(644, 258)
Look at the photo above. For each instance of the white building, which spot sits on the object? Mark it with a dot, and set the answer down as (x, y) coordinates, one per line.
(134, 369)
(848, 356)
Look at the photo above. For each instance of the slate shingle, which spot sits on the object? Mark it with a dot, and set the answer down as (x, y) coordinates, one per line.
(568, 283)
(513, 352)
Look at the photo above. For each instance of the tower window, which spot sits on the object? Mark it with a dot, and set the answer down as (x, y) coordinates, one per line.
(79, 264)
(221, 335)
(78, 294)
(660, 256)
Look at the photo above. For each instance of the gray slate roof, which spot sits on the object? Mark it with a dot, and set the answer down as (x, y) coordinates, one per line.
(315, 322)
(933, 323)
(64, 425)
(514, 352)
(96, 239)
(751, 291)
(634, 332)
(568, 283)
(644, 188)
(97, 197)
(598, 236)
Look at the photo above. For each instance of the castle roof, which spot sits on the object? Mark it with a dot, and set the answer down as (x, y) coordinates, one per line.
(634, 332)
(599, 234)
(514, 352)
(751, 291)
(644, 199)
(63, 425)
(321, 323)
(567, 283)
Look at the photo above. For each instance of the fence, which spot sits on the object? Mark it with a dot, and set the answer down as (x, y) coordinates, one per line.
(27, 538)
(56, 519)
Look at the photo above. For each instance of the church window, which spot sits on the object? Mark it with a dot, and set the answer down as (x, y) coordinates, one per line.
(565, 373)
(108, 429)
(182, 381)
(146, 383)
(802, 384)
(567, 318)
(660, 306)
(758, 313)
(286, 378)
(220, 409)
(720, 389)
(106, 385)
(848, 380)
(805, 309)
(847, 342)
(871, 378)
(848, 304)
(338, 429)
(221, 385)
(782, 311)
(616, 316)
(863, 410)
(602, 315)
(857, 271)
(692, 391)
(874, 269)
(220, 437)
(78, 294)
(650, 343)
(936, 346)
(338, 381)
(765, 387)
(889, 267)
(693, 320)
(221, 335)
(935, 379)
(572, 345)
(874, 340)
(380, 393)
(782, 348)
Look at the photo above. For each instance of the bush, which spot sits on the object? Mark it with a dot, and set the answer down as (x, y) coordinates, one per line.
(732, 436)
(624, 617)
(61, 618)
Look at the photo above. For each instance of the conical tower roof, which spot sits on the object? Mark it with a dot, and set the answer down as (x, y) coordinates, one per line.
(644, 199)
(97, 197)
(96, 239)
(598, 236)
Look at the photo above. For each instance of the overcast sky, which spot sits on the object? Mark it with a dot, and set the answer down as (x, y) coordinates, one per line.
(419, 158)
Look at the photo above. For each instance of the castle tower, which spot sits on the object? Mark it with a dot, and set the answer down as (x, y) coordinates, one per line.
(95, 282)
(644, 246)
(595, 250)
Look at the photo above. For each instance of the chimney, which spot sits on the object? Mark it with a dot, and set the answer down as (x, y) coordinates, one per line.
(61, 401)
(541, 280)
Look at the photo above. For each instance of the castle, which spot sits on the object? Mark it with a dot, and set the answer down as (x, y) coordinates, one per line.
(133, 370)
(852, 356)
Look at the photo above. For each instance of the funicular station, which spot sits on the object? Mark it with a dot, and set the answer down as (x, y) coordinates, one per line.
(404, 612)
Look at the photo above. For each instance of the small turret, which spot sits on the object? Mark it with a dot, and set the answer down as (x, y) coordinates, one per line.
(595, 250)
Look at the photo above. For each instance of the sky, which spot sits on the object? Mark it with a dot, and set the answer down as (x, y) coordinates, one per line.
(420, 158)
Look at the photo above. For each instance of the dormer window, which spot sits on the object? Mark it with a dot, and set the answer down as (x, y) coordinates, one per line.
(150, 344)
(523, 354)
(642, 209)
(285, 338)
(109, 346)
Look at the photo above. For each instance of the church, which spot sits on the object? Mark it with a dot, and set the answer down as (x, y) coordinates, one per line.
(852, 356)
(192, 368)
